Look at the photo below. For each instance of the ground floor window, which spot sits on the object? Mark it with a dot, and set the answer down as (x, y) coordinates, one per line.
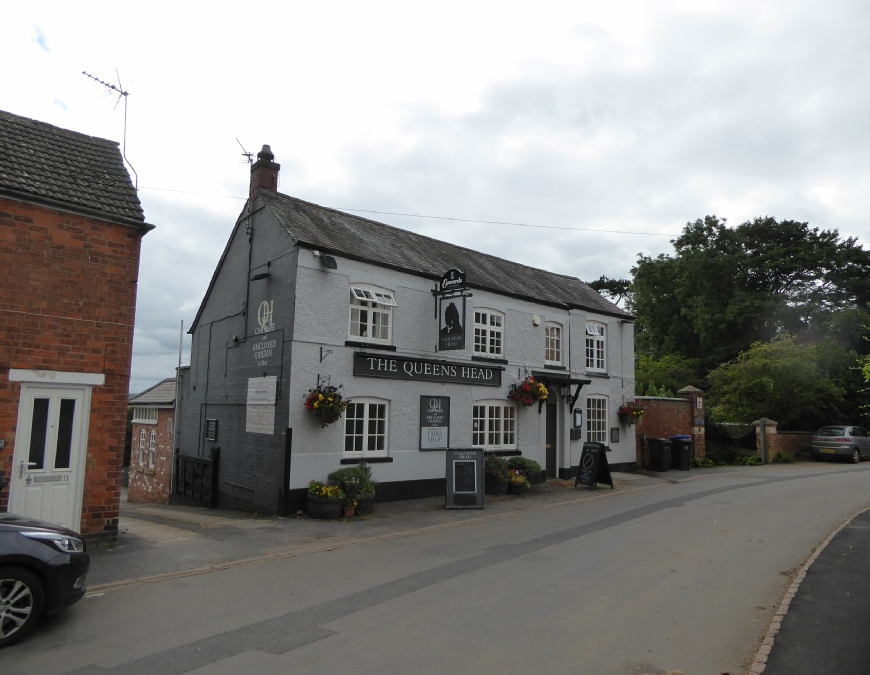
(596, 419)
(494, 425)
(142, 447)
(365, 426)
(152, 449)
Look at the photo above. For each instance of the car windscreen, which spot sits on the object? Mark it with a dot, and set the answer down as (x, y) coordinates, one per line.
(831, 431)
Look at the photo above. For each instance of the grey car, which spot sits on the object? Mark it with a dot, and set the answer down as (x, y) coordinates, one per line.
(845, 442)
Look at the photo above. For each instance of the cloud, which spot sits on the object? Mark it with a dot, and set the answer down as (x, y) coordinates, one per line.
(39, 39)
(61, 104)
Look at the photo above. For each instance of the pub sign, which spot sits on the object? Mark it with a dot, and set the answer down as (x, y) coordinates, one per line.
(451, 326)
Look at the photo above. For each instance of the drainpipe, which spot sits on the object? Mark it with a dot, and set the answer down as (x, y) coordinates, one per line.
(172, 462)
(763, 441)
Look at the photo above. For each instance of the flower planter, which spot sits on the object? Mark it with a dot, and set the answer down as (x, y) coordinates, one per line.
(517, 489)
(495, 486)
(348, 511)
(538, 478)
(365, 504)
(324, 508)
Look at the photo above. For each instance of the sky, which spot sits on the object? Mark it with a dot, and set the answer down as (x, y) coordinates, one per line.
(607, 126)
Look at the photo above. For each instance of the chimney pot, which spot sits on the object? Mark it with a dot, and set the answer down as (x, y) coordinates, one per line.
(264, 173)
(266, 154)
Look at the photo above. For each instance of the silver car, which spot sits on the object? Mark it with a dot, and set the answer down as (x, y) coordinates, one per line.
(845, 442)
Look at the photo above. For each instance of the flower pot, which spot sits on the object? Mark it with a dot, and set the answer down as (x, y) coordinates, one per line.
(538, 478)
(365, 504)
(495, 486)
(324, 508)
(348, 511)
(517, 489)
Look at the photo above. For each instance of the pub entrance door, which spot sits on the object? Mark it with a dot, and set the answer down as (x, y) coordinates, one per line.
(552, 436)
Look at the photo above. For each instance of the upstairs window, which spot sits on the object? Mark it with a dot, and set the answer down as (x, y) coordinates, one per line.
(145, 415)
(371, 312)
(488, 327)
(596, 356)
(553, 344)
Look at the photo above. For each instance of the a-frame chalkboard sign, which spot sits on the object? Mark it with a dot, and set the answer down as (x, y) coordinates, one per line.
(593, 467)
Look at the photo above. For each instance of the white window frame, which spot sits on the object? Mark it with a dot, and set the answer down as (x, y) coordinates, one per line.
(365, 435)
(498, 420)
(144, 415)
(553, 343)
(596, 347)
(169, 425)
(488, 333)
(376, 303)
(597, 418)
(142, 447)
(152, 449)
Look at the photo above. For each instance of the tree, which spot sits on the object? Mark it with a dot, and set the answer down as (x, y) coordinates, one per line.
(615, 289)
(781, 380)
(671, 371)
(726, 288)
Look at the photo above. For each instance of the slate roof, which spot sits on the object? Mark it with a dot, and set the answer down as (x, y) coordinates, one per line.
(50, 164)
(363, 239)
(162, 393)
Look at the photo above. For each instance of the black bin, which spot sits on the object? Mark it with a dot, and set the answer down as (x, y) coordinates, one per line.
(681, 452)
(659, 454)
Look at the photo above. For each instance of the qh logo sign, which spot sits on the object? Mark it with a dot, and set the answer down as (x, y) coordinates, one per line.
(264, 317)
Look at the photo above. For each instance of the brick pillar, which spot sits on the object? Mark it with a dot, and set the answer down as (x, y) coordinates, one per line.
(771, 437)
(696, 413)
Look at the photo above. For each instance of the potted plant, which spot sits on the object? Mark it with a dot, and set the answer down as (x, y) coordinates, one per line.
(325, 404)
(519, 484)
(496, 475)
(528, 391)
(529, 468)
(357, 484)
(349, 506)
(630, 412)
(324, 501)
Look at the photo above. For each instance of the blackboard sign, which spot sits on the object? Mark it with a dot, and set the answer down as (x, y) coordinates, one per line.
(593, 467)
(434, 422)
(464, 472)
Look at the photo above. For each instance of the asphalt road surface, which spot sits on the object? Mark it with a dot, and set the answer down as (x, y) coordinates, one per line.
(684, 576)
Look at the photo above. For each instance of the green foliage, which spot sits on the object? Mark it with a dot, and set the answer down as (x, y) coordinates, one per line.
(726, 288)
(748, 460)
(782, 458)
(354, 480)
(494, 467)
(614, 289)
(705, 463)
(781, 380)
(527, 467)
(652, 390)
(671, 371)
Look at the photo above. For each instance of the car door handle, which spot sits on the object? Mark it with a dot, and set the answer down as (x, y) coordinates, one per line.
(24, 466)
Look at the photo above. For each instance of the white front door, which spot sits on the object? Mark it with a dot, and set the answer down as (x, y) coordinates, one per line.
(50, 446)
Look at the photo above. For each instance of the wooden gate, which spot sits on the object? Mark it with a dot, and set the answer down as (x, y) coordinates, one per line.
(196, 480)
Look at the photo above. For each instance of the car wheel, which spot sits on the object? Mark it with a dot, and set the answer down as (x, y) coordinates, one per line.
(856, 456)
(21, 601)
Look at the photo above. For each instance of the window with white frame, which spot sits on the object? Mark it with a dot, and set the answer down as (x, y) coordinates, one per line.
(169, 425)
(366, 426)
(488, 332)
(596, 355)
(142, 447)
(371, 311)
(145, 415)
(553, 343)
(152, 449)
(596, 419)
(494, 425)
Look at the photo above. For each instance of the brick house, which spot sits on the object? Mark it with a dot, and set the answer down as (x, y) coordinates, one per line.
(151, 451)
(70, 232)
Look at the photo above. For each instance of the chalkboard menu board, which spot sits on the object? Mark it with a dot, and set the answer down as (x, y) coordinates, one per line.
(434, 422)
(593, 467)
(464, 472)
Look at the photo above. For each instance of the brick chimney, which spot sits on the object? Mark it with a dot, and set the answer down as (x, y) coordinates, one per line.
(264, 173)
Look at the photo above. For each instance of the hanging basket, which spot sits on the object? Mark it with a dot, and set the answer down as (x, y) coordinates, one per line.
(630, 412)
(528, 392)
(325, 404)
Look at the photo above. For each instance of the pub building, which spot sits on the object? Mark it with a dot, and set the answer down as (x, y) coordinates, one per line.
(425, 339)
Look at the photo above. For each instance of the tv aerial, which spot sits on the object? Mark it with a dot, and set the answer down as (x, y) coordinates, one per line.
(122, 93)
(245, 153)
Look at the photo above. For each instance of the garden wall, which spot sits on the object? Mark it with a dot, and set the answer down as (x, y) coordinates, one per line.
(666, 417)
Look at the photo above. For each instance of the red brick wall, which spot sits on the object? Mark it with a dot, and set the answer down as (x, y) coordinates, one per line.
(147, 484)
(67, 303)
(792, 441)
(666, 417)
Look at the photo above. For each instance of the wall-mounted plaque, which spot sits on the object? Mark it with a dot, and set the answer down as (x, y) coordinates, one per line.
(451, 326)
(412, 368)
(614, 434)
(434, 422)
(464, 474)
(211, 429)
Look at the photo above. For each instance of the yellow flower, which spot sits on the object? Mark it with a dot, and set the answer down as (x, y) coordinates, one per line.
(316, 404)
(329, 400)
(320, 397)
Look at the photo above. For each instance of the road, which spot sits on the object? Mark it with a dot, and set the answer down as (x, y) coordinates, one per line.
(685, 576)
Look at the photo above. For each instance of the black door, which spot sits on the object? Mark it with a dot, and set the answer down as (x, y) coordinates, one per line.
(552, 413)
